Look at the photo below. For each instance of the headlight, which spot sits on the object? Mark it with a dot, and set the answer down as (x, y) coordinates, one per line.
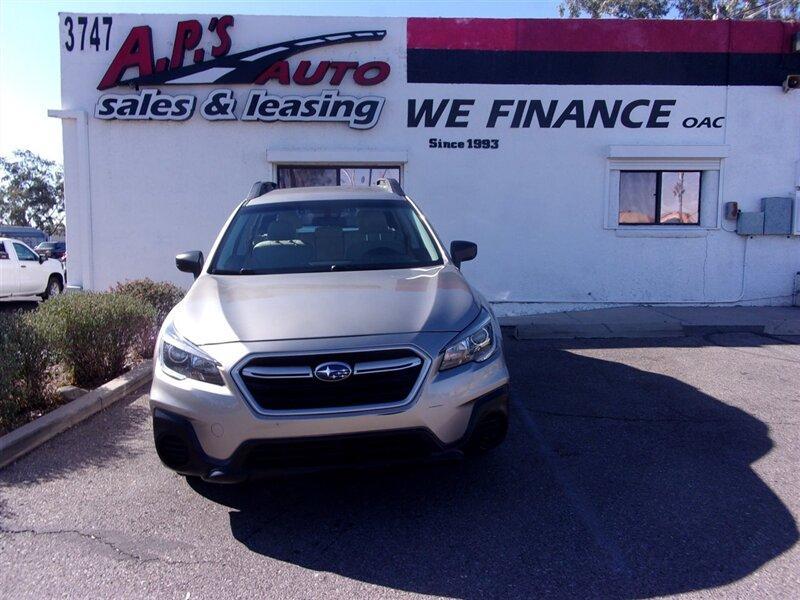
(181, 359)
(477, 344)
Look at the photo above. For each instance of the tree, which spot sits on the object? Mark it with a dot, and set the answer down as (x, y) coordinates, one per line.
(686, 9)
(32, 192)
(621, 9)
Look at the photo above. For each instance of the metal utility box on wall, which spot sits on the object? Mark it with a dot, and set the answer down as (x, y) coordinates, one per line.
(796, 300)
(777, 216)
(750, 223)
(796, 297)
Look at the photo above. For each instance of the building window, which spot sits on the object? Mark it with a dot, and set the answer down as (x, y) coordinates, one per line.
(334, 175)
(659, 197)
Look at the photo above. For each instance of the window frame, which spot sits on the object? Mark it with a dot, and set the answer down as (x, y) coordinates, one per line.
(659, 188)
(336, 167)
(25, 247)
(710, 159)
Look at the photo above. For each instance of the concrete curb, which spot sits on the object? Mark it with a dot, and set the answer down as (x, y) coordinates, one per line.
(596, 331)
(657, 322)
(655, 330)
(22, 440)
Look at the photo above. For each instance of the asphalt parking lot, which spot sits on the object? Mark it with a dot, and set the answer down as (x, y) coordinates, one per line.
(633, 468)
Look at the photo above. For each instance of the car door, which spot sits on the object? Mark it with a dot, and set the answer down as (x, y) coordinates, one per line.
(9, 271)
(31, 272)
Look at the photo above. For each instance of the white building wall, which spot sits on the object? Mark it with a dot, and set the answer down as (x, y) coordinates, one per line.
(537, 206)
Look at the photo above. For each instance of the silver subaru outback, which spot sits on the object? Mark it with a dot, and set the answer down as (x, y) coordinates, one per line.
(329, 327)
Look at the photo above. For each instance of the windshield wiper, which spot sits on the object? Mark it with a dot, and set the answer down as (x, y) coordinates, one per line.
(223, 272)
(242, 271)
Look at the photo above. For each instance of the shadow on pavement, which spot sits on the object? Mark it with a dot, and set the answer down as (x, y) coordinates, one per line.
(613, 482)
(10, 306)
(738, 339)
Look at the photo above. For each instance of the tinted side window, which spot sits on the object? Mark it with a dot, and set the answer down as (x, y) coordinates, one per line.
(3, 253)
(23, 253)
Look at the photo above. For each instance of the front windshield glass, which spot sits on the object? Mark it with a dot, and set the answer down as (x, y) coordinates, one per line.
(331, 235)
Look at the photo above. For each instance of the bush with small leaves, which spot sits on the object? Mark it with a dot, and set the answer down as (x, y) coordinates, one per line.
(26, 362)
(161, 295)
(94, 333)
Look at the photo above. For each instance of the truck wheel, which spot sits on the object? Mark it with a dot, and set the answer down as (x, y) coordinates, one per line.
(54, 288)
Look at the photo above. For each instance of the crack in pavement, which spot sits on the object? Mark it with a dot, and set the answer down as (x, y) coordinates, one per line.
(94, 537)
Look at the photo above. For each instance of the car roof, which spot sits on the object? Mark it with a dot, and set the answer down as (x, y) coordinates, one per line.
(20, 229)
(303, 194)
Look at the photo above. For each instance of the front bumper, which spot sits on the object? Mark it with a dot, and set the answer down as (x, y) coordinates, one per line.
(179, 447)
(223, 418)
(219, 421)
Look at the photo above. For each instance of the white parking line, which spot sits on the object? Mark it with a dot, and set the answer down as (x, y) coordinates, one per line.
(577, 500)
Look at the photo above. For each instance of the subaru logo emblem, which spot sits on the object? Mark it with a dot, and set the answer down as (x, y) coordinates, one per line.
(333, 371)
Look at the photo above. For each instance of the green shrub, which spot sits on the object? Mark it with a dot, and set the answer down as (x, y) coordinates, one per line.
(162, 296)
(26, 363)
(93, 333)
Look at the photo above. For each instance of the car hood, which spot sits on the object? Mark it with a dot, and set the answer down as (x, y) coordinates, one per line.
(229, 308)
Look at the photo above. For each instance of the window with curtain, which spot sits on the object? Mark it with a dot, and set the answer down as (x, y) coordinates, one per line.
(334, 175)
(659, 197)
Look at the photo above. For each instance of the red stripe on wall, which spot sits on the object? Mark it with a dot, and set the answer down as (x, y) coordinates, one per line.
(762, 37)
(601, 35)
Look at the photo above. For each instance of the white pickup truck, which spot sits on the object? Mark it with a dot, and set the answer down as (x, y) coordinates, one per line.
(25, 273)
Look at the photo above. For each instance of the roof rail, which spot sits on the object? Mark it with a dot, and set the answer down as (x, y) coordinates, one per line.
(260, 188)
(392, 186)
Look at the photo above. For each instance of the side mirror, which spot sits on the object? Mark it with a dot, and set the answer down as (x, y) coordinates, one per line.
(461, 251)
(42, 258)
(190, 262)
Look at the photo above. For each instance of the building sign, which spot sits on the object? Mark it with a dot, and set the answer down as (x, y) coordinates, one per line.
(507, 78)
(259, 66)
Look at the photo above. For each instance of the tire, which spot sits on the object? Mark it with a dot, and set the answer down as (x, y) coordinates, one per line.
(54, 287)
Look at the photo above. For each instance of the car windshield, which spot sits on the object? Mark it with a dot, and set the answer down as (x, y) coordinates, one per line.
(47, 246)
(331, 235)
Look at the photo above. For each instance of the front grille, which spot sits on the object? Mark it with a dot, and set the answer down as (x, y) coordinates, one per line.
(287, 383)
(354, 449)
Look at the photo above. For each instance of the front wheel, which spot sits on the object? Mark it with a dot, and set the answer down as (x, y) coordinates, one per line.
(54, 287)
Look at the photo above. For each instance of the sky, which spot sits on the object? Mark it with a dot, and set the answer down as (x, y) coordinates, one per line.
(29, 46)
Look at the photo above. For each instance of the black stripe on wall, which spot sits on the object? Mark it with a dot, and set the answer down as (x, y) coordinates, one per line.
(598, 68)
